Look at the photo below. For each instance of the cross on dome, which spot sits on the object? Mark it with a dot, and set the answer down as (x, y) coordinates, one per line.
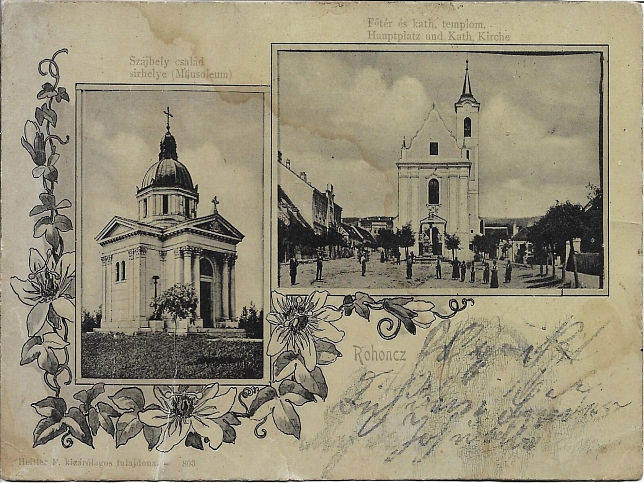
(214, 202)
(168, 116)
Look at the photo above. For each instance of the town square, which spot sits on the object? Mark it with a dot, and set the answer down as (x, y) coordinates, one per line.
(476, 175)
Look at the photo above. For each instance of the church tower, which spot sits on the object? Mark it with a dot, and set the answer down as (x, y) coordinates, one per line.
(467, 138)
(167, 195)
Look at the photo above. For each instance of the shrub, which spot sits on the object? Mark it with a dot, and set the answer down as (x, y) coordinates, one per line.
(91, 320)
(252, 321)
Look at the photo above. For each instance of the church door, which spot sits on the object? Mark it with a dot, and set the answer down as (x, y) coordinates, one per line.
(205, 292)
(437, 246)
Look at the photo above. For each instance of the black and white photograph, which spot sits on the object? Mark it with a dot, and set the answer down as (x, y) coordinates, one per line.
(475, 170)
(171, 248)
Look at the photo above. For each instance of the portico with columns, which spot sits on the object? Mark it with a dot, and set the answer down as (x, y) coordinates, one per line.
(166, 245)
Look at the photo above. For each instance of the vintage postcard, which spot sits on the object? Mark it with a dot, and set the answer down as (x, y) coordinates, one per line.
(321, 241)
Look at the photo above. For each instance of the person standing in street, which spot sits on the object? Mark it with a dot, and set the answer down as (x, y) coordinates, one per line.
(409, 268)
(494, 282)
(293, 270)
(438, 269)
(508, 273)
(463, 270)
(318, 268)
(455, 268)
(363, 263)
(486, 273)
(472, 276)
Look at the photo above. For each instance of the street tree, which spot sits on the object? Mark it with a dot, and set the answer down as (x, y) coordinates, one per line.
(406, 238)
(452, 242)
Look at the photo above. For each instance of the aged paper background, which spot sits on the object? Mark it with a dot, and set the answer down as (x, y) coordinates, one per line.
(236, 39)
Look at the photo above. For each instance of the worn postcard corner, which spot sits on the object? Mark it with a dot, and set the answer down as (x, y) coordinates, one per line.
(284, 241)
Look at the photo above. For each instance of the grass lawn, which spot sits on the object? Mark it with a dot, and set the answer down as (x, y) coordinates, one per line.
(153, 356)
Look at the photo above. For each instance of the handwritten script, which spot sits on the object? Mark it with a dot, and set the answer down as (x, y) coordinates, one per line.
(475, 385)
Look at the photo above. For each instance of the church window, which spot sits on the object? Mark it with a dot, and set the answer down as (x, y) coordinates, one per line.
(205, 268)
(467, 153)
(123, 270)
(433, 192)
(186, 207)
(145, 208)
(165, 204)
(467, 127)
(433, 148)
(118, 271)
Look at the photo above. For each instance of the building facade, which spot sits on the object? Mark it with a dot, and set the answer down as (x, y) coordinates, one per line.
(167, 244)
(438, 178)
(317, 207)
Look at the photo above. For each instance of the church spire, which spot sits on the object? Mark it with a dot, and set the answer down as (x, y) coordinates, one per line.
(466, 93)
(168, 145)
(467, 87)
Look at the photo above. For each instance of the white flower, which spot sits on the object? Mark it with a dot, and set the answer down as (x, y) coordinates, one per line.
(184, 411)
(297, 321)
(49, 287)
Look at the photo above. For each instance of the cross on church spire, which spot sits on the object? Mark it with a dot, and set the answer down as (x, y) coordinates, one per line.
(215, 202)
(168, 116)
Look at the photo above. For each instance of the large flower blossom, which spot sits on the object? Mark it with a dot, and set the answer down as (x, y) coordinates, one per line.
(298, 321)
(189, 409)
(49, 288)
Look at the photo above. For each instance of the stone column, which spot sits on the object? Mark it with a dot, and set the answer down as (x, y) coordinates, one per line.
(178, 265)
(233, 312)
(225, 289)
(142, 284)
(196, 270)
(106, 317)
(187, 265)
(131, 272)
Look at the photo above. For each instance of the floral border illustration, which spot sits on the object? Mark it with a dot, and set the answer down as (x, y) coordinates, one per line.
(302, 341)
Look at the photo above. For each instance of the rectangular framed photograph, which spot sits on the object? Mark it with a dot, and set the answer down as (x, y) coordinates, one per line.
(476, 169)
(171, 279)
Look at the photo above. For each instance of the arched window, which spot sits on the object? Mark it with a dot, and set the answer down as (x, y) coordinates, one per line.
(432, 192)
(118, 271)
(123, 270)
(205, 267)
(467, 127)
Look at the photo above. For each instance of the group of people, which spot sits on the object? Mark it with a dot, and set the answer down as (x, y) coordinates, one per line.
(459, 271)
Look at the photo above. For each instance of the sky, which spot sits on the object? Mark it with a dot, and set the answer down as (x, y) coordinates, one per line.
(220, 140)
(343, 115)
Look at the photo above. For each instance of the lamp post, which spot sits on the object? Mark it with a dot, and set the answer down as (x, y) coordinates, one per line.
(156, 280)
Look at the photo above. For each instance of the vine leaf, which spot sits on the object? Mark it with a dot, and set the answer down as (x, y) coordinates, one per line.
(101, 416)
(87, 396)
(127, 426)
(152, 435)
(327, 352)
(51, 407)
(47, 91)
(314, 382)
(226, 423)
(395, 306)
(62, 95)
(129, 399)
(46, 430)
(193, 439)
(361, 304)
(286, 419)
(78, 427)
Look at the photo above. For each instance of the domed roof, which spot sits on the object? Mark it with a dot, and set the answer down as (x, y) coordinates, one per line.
(168, 172)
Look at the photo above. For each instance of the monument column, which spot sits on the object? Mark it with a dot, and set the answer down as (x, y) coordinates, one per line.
(142, 284)
(187, 265)
(233, 312)
(225, 289)
(196, 270)
(178, 268)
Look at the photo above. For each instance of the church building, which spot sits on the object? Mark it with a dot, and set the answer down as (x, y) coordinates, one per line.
(438, 179)
(165, 245)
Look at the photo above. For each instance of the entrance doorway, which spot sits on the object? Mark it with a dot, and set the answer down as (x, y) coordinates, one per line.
(206, 291)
